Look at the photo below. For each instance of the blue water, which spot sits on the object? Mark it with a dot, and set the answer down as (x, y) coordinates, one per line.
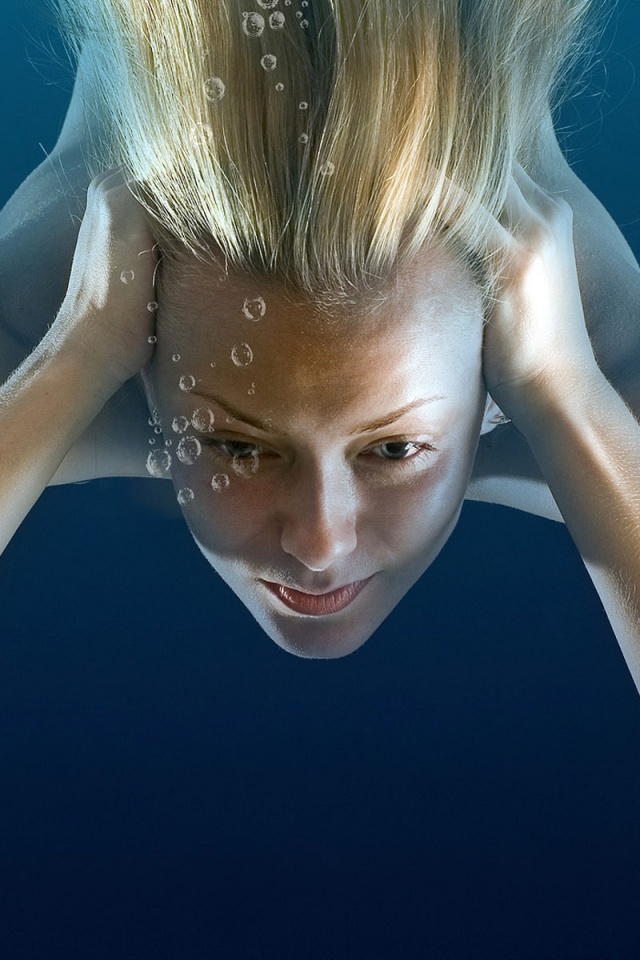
(173, 785)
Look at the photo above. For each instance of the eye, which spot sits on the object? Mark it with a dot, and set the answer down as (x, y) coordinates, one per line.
(235, 449)
(399, 453)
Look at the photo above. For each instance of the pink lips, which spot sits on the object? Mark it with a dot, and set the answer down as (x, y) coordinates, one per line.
(320, 605)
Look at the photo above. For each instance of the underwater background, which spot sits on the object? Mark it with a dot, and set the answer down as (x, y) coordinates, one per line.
(173, 785)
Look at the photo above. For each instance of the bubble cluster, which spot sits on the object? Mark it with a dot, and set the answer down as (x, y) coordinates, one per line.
(188, 450)
(219, 482)
(179, 424)
(159, 462)
(253, 24)
(254, 309)
(269, 62)
(187, 382)
(242, 355)
(201, 135)
(203, 420)
(127, 276)
(214, 89)
(185, 495)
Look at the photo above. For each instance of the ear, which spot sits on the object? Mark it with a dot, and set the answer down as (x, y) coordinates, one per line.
(493, 416)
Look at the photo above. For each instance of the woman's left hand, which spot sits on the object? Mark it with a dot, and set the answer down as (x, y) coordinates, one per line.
(535, 338)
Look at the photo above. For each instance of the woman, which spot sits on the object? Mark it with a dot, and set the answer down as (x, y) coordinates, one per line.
(351, 301)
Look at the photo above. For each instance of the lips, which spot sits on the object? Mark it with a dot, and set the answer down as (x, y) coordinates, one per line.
(317, 605)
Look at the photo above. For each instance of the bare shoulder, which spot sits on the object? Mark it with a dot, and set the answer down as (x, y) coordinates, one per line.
(38, 233)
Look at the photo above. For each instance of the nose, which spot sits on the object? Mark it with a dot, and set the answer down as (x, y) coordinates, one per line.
(319, 524)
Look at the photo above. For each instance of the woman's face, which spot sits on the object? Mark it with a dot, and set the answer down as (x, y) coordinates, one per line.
(330, 453)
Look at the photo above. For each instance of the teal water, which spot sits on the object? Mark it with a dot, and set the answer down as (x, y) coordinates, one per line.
(174, 786)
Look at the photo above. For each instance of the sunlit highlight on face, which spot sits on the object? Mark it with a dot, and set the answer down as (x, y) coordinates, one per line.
(316, 456)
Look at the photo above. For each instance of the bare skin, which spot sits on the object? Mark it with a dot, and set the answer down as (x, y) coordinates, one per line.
(40, 224)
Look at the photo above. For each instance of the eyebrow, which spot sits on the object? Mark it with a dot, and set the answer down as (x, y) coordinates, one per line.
(362, 428)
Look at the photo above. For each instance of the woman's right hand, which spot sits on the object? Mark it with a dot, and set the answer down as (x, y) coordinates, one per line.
(108, 312)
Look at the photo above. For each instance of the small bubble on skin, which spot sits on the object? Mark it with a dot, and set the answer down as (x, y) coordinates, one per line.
(279, 87)
(303, 105)
(187, 382)
(185, 495)
(157, 429)
(269, 62)
(201, 134)
(159, 462)
(253, 24)
(254, 309)
(242, 355)
(152, 339)
(152, 441)
(203, 420)
(212, 364)
(188, 450)
(303, 138)
(277, 21)
(219, 482)
(168, 443)
(214, 89)
(222, 278)
(287, 3)
(175, 357)
(327, 168)
(246, 467)
(251, 390)
(304, 24)
(127, 276)
(152, 305)
(305, 3)
(179, 424)
(298, 14)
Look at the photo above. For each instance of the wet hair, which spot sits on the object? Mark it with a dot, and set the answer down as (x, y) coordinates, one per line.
(313, 144)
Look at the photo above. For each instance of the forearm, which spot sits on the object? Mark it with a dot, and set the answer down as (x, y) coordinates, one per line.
(587, 444)
(46, 404)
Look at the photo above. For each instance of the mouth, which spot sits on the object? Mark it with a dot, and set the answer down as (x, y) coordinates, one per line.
(317, 605)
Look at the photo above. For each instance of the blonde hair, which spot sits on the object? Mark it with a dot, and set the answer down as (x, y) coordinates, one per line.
(204, 104)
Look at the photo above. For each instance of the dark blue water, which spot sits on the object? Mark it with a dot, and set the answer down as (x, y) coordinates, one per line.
(172, 785)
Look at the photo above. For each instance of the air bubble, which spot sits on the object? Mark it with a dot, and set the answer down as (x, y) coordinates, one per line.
(203, 420)
(277, 21)
(269, 62)
(179, 424)
(242, 354)
(175, 357)
(251, 390)
(214, 89)
(152, 441)
(127, 276)
(159, 462)
(303, 105)
(246, 467)
(279, 87)
(168, 443)
(212, 364)
(188, 450)
(327, 169)
(220, 481)
(303, 138)
(254, 309)
(298, 14)
(187, 382)
(152, 339)
(253, 24)
(201, 135)
(152, 305)
(304, 24)
(185, 495)
(157, 430)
